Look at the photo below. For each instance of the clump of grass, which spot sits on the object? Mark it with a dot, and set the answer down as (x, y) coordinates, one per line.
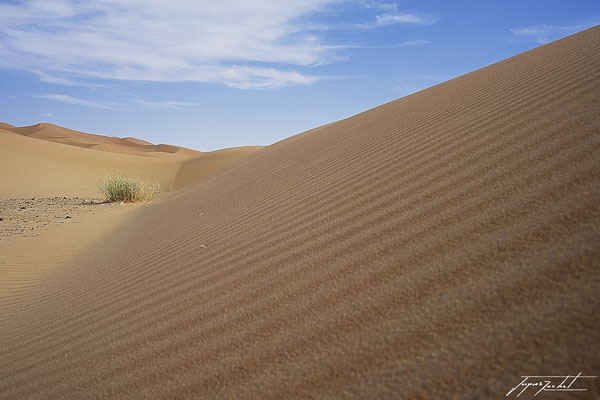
(127, 189)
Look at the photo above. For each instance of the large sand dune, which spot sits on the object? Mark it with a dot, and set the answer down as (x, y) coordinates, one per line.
(439, 246)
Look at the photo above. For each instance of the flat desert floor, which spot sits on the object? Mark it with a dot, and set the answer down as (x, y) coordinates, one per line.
(443, 245)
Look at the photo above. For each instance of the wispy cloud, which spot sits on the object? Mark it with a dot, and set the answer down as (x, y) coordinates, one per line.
(64, 81)
(397, 18)
(125, 104)
(63, 98)
(261, 44)
(164, 105)
(403, 18)
(415, 42)
(390, 7)
(47, 115)
(407, 43)
(546, 33)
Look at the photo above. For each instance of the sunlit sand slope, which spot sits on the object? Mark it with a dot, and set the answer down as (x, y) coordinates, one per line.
(41, 168)
(131, 146)
(439, 246)
(31, 167)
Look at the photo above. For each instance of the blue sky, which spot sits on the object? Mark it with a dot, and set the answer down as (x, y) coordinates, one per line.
(209, 75)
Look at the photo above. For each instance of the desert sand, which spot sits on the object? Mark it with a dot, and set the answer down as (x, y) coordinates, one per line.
(131, 146)
(49, 199)
(439, 246)
(47, 160)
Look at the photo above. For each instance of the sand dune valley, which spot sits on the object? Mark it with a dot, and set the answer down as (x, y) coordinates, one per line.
(440, 246)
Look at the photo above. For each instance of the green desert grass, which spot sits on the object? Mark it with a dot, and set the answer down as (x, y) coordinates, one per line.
(127, 189)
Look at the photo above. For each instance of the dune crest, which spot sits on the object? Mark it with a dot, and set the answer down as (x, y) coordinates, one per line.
(130, 146)
(438, 246)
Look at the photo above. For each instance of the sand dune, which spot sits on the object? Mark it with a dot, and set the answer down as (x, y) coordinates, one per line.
(44, 218)
(32, 167)
(56, 167)
(196, 168)
(439, 246)
(130, 146)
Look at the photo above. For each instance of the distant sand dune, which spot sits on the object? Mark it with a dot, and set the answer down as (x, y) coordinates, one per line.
(438, 246)
(130, 146)
(65, 163)
(32, 167)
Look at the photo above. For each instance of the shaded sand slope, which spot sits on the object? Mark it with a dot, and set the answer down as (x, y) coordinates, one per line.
(131, 146)
(440, 245)
(61, 228)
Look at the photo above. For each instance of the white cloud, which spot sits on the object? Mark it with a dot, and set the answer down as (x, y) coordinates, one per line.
(259, 44)
(47, 115)
(415, 42)
(379, 5)
(63, 98)
(125, 104)
(164, 105)
(64, 81)
(546, 33)
(400, 18)
(388, 19)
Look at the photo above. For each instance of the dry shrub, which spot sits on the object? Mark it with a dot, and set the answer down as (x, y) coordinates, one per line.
(122, 188)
